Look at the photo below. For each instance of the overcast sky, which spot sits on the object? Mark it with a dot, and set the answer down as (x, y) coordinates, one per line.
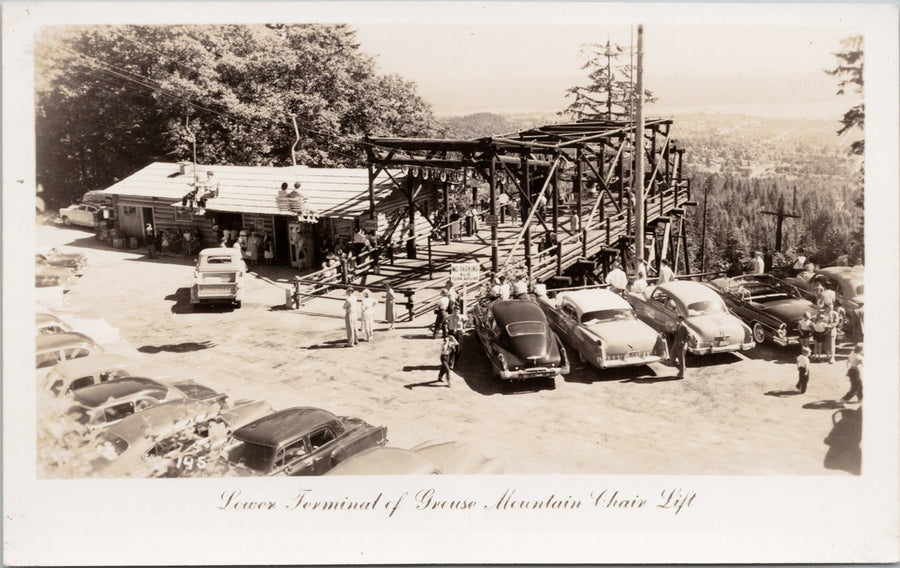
(765, 70)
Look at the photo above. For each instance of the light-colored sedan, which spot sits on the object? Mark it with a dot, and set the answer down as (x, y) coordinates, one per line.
(603, 329)
(711, 327)
(84, 214)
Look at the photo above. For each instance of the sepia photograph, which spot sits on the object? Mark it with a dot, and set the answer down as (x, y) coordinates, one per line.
(450, 283)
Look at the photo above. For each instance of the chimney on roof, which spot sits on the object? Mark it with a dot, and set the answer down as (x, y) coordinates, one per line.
(183, 167)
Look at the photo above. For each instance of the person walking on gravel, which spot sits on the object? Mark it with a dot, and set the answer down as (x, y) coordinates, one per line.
(448, 351)
(854, 373)
(368, 315)
(803, 370)
(679, 346)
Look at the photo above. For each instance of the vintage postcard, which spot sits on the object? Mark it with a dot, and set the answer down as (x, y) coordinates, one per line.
(450, 282)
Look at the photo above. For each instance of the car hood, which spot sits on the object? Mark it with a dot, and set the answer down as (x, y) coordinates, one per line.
(789, 311)
(625, 336)
(711, 326)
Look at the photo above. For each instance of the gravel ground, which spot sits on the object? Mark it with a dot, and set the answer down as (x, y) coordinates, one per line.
(732, 414)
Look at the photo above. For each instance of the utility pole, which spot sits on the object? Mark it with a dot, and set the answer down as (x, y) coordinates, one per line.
(637, 183)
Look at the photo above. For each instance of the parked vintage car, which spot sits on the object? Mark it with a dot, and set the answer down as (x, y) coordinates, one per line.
(425, 459)
(219, 277)
(84, 214)
(109, 402)
(48, 323)
(56, 347)
(46, 276)
(848, 283)
(517, 340)
(148, 444)
(75, 261)
(75, 374)
(603, 329)
(301, 441)
(712, 328)
(771, 307)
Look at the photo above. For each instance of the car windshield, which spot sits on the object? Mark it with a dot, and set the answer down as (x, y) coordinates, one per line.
(110, 446)
(621, 314)
(525, 328)
(705, 308)
(219, 260)
(252, 456)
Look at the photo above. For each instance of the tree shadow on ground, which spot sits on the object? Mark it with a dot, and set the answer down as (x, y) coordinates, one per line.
(844, 452)
(185, 347)
(782, 394)
(475, 369)
(418, 336)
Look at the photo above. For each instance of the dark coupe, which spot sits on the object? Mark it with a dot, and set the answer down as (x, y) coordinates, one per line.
(518, 341)
(771, 307)
(301, 441)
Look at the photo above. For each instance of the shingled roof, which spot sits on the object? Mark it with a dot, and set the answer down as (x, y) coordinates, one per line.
(331, 192)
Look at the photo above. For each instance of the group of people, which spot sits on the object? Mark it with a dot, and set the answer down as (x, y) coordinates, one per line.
(620, 283)
(251, 244)
(450, 321)
(359, 314)
(171, 241)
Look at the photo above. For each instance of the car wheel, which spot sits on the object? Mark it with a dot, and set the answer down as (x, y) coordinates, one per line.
(66, 221)
(759, 334)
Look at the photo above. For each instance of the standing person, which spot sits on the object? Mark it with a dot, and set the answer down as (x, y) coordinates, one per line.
(504, 288)
(759, 264)
(165, 243)
(803, 369)
(833, 324)
(520, 287)
(820, 327)
(854, 373)
(456, 324)
(351, 317)
(767, 259)
(345, 268)
(253, 249)
(804, 330)
(666, 274)
(617, 280)
(448, 351)
(679, 346)
(389, 297)
(269, 249)
(150, 240)
(452, 295)
(368, 315)
(440, 314)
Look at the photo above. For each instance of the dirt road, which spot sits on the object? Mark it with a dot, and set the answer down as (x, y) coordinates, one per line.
(733, 414)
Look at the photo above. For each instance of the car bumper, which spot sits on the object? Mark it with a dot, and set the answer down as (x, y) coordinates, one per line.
(628, 362)
(785, 341)
(721, 348)
(532, 373)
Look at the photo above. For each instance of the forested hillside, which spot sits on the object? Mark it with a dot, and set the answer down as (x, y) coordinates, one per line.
(747, 165)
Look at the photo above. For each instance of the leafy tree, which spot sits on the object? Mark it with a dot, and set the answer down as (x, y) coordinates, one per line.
(849, 71)
(110, 99)
(611, 93)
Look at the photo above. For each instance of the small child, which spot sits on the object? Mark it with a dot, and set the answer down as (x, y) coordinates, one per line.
(803, 369)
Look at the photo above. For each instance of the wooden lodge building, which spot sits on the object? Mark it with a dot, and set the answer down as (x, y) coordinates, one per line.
(333, 203)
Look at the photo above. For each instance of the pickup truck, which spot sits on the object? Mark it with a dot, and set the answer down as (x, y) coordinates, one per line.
(219, 277)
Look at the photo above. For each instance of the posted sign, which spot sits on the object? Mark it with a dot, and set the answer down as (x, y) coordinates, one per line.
(464, 272)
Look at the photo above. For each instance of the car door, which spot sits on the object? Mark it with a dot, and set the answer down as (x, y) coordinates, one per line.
(294, 459)
(661, 311)
(322, 444)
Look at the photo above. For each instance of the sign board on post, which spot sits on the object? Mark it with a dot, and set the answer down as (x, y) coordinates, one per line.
(464, 272)
(490, 220)
(370, 225)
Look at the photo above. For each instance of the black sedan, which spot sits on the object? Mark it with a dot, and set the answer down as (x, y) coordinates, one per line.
(300, 441)
(771, 307)
(518, 341)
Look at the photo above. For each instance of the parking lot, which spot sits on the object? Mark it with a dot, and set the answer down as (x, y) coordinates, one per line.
(732, 414)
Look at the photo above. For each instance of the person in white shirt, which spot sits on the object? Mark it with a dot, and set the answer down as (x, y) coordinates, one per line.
(803, 370)
(440, 315)
(854, 373)
(665, 273)
(504, 288)
(520, 289)
(351, 317)
(759, 263)
(617, 280)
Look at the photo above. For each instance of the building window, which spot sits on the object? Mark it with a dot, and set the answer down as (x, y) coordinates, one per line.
(128, 210)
